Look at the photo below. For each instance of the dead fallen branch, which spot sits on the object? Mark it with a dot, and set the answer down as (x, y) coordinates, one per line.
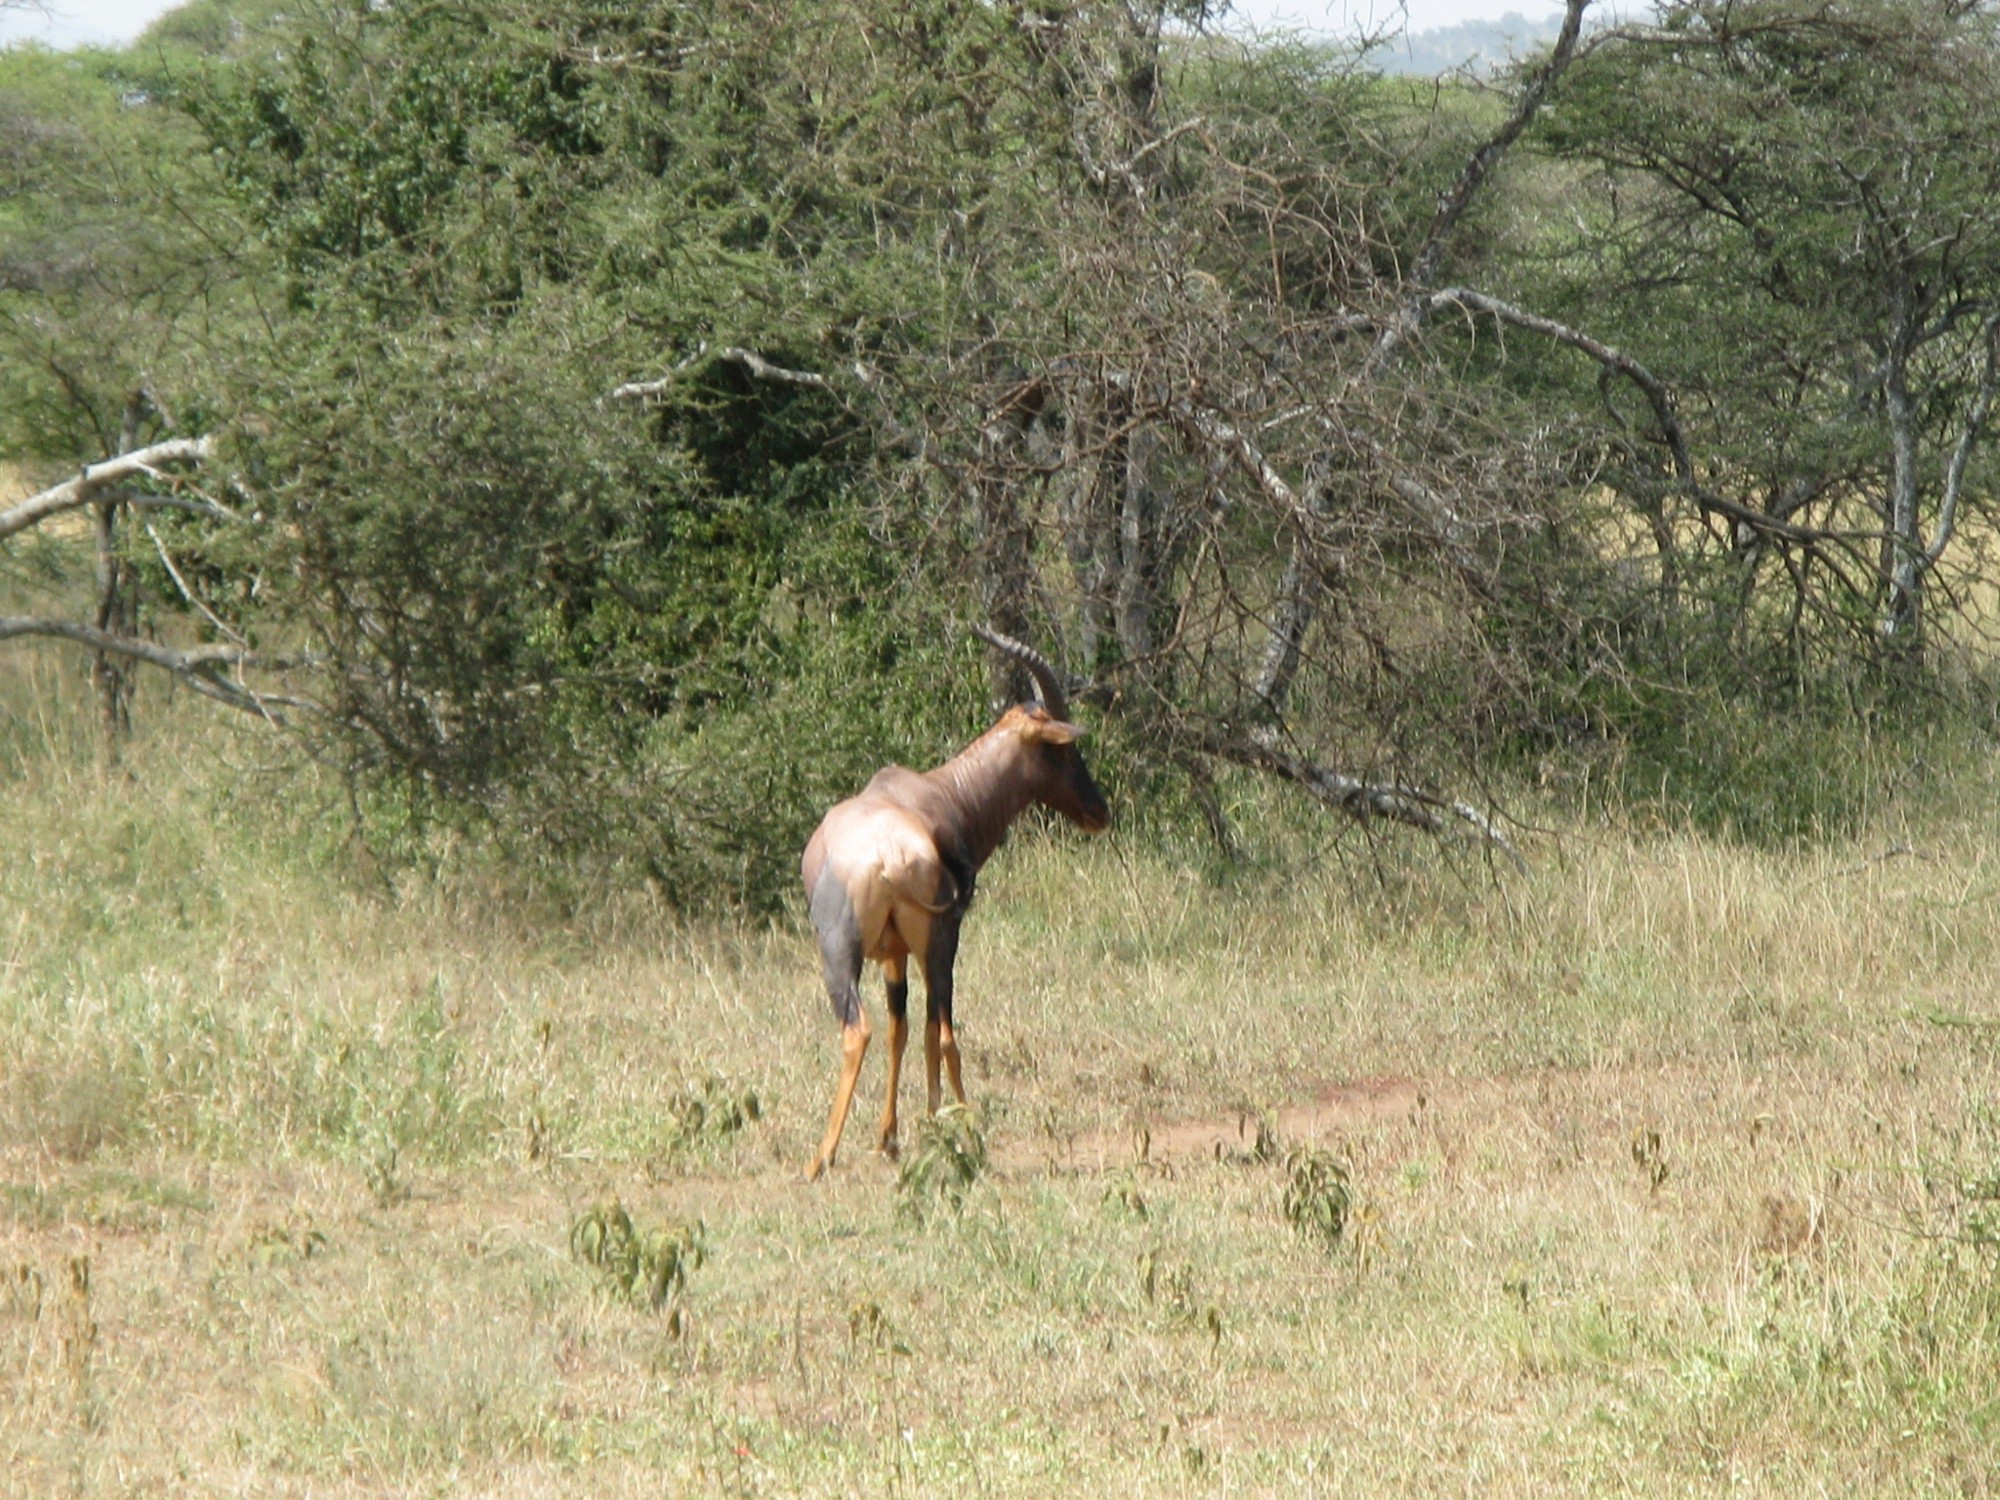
(95, 480)
(1364, 801)
(200, 667)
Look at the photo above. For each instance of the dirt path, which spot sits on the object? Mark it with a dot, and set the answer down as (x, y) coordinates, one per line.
(1343, 1107)
(1571, 1111)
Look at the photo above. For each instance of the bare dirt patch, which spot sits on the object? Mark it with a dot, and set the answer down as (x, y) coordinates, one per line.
(1336, 1110)
(1570, 1111)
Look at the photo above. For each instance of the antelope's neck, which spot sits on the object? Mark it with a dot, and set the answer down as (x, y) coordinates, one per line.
(986, 790)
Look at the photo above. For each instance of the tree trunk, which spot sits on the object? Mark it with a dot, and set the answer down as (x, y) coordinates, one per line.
(1088, 535)
(1138, 541)
(1297, 603)
(117, 610)
(1003, 563)
(1901, 625)
(115, 615)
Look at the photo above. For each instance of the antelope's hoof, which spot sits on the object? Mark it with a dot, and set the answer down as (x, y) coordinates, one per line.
(889, 1148)
(816, 1169)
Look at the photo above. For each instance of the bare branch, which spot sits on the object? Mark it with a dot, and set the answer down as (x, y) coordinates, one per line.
(1968, 438)
(758, 367)
(198, 666)
(1657, 396)
(1128, 170)
(95, 479)
(1299, 588)
(1479, 166)
(1241, 449)
(1615, 360)
(181, 583)
(763, 369)
(1429, 259)
(1364, 801)
(194, 505)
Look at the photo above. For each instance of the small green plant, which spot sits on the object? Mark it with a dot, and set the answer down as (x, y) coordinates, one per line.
(1167, 1285)
(21, 1291)
(1170, 1287)
(648, 1267)
(1122, 1193)
(78, 1336)
(1972, 1165)
(868, 1327)
(1982, 1219)
(285, 1243)
(1650, 1154)
(1262, 1148)
(1318, 1196)
(712, 1110)
(385, 1184)
(947, 1158)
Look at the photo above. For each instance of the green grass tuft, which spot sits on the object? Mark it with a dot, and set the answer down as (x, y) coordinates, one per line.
(943, 1164)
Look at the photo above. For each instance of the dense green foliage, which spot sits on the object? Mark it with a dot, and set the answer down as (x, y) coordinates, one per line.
(593, 620)
(104, 280)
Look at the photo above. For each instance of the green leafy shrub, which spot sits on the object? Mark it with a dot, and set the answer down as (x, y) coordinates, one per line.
(650, 1267)
(1318, 1197)
(942, 1165)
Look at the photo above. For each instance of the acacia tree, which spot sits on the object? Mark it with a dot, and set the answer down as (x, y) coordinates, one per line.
(589, 626)
(1145, 380)
(115, 274)
(1793, 218)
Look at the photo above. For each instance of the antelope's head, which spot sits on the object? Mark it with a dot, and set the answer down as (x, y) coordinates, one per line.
(1051, 757)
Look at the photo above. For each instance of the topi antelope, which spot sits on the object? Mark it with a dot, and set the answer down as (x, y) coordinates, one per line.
(889, 875)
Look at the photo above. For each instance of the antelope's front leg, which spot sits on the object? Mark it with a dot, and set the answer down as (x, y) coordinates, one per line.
(899, 1035)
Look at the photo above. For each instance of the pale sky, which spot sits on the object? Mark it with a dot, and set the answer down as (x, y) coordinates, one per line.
(71, 23)
(75, 23)
(1340, 17)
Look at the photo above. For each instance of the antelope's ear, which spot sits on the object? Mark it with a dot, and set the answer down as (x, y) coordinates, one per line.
(1057, 731)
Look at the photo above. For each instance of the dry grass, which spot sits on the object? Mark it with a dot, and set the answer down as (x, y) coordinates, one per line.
(1667, 1169)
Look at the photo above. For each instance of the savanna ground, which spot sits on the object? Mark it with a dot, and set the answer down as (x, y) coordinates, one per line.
(1672, 1168)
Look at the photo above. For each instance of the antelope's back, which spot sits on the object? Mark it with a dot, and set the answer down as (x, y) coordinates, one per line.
(880, 855)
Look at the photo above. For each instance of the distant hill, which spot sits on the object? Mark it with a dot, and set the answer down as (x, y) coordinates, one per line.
(1476, 46)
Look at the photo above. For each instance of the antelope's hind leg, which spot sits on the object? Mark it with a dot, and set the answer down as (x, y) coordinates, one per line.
(839, 933)
(899, 1033)
(940, 1042)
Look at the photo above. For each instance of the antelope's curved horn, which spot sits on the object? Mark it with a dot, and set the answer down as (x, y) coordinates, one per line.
(1050, 686)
